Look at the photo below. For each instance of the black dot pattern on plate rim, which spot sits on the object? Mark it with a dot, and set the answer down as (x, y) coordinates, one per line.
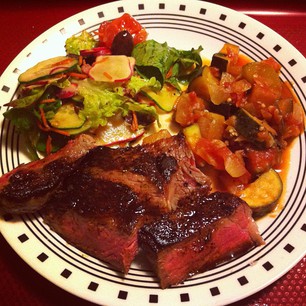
(184, 297)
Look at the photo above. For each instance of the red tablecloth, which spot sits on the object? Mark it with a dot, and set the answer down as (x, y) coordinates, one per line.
(22, 21)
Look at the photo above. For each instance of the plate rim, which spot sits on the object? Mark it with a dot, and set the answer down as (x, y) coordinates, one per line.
(111, 4)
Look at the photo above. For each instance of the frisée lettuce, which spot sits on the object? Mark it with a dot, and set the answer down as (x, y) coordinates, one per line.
(85, 41)
(100, 102)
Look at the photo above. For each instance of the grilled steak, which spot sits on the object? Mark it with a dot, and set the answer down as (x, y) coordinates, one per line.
(160, 173)
(113, 192)
(108, 201)
(203, 232)
(100, 217)
(28, 187)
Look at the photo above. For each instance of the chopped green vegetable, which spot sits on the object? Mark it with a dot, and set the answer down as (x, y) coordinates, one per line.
(154, 59)
(22, 119)
(186, 68)
(143, 109)
(262, 195)
(256, 131)
(100, 102)
(165, 98)
(84, 41)
(48, 68)
(67, 118)
(136, 84)
(28, 100)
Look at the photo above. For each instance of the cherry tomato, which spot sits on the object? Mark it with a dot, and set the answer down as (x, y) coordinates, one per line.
(109, 29)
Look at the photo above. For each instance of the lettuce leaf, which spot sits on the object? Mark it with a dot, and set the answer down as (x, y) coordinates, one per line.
(100, 101)
(136, 84)
(154, 59)
(85, 41)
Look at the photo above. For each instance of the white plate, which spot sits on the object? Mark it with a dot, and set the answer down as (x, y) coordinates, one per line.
(183, 24)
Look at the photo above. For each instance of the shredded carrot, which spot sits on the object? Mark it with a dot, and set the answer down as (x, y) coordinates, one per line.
(49, 145)
(169, 73)
(43, 128)
(63, 62)
(107, 75)
(103, 59)
(51, 129)
(78, 75)
(58, 131)
(46, 127)
(43, 118)
(47, 100)
(80, 60)
(134, 125)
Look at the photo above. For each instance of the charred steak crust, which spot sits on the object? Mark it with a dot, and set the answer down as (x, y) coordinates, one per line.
(113, 192)
(108, 201)
(28, 187)
(202, 232)
(159, 173)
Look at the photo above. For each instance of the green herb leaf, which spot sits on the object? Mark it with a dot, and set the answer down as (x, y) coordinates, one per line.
(23, 119)
(154, 59)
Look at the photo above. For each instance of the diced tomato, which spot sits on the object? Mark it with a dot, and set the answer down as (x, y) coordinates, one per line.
(232, 52)
(208, 150)
(109, 29)
(233, 184)
(262, 96)
(259, 161)
(273, 63)
(189, 108)
(217, 154)
(294, 122)
(140, 36)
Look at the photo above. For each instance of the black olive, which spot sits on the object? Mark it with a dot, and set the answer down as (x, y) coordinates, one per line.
(122, 44)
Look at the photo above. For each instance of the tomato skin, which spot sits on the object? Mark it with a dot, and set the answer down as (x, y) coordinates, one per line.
(261, 161)
(217, 154)
(109, 29)
(189, 108)
(209, 151)
(140, 36)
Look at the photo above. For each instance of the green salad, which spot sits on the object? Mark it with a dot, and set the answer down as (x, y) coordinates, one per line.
(92, 85)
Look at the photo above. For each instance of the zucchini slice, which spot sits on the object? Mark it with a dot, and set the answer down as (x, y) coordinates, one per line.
(254, 130)
(48, 68)
(165, 99)
(67, 118)
(262, 195)
(84, 128)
